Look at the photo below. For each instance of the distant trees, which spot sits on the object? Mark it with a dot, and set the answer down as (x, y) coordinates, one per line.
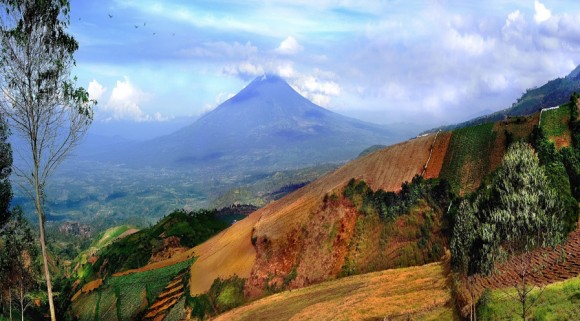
(44, 107)
(19, 268)
(517, 213)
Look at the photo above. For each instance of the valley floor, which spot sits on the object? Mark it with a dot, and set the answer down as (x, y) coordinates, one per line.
(419, 293)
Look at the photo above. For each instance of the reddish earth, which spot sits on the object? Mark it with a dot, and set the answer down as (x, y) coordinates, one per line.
(298, 225)
(293, 232)
(88, 288)
(171, 247)
(439, 151)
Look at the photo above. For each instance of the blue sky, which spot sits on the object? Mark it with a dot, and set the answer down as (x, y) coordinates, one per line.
(426, 62)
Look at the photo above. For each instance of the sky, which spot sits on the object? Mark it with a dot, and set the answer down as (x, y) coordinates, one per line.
(420, 62)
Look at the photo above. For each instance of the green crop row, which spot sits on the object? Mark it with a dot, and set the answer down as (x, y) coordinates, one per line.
(555, 122)
(467, 159)
(123, 297)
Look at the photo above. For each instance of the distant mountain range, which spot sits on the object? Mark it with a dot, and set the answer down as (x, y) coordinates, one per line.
(554, 93)
(266, 126)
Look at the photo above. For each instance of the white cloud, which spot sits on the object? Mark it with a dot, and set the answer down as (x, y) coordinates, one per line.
(124, 104)
(96, 90)
(285, 70)
(471, 43)
(317, 90)
(245, 70)
(541, 12)
(514, 26)
(221, 49)
(289, 46)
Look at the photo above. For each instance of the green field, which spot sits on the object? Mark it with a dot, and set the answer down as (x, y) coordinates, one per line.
(555, 125)
(124, 297)
(467, 159)
(559, 301)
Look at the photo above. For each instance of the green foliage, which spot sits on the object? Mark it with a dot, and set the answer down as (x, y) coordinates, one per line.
(127, 296)
(223, 295)
(554, 121)
(469, 146)
(390, 205)
(5, 171)
(200, 306)
(563, 171)
(558, 301)
(574, 123)
(135, 250)
(414, 216)
(518, 212)
(291, 276)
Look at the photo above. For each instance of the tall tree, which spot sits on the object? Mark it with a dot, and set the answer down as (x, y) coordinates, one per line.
(5, 198)
(5, 171)
(44, 106)
(517, 213)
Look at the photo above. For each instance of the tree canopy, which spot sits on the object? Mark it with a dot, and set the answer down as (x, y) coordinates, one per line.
(518, 212)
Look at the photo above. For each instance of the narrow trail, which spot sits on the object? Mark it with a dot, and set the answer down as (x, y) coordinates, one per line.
(543, 110)
(430, 153)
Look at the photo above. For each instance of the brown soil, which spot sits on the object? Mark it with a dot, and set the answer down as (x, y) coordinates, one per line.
(417, 293)
(88, 288)
(439, 152)
(278, 227)
(288, 228)
(228, 253)
(171, 247)
(127, 233)
(562, 141)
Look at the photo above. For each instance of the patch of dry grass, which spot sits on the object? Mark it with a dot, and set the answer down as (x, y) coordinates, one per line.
(420, 293)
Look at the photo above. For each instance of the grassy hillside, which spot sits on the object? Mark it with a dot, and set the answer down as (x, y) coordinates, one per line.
(174, 234)
(467, 160)
(554, 93)
(558, 301)
(555, 125)
(417, 293)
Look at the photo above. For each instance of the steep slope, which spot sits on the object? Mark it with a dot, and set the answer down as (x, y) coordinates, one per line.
(232, 250)
(416, 293)
(267, 125)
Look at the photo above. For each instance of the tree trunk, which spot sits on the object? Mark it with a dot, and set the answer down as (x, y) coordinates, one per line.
(10, 302)
(21, 301)
(43, 248)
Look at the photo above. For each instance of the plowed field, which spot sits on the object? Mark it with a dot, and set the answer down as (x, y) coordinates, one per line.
(558, 264)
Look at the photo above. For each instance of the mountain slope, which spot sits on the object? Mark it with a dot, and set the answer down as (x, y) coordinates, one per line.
(553, 93)
(265, 126)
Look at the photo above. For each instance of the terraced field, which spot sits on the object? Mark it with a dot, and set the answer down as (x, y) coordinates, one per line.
(416, 293)
(125, 297)
(561, 263)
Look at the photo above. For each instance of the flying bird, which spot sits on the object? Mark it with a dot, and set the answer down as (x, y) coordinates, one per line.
(136, 26)
(110, 15)
(144, 24)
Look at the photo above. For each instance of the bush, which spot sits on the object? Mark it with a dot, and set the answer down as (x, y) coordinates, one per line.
(223, 295)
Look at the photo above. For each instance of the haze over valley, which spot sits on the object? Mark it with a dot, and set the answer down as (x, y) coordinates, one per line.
(289, 160)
